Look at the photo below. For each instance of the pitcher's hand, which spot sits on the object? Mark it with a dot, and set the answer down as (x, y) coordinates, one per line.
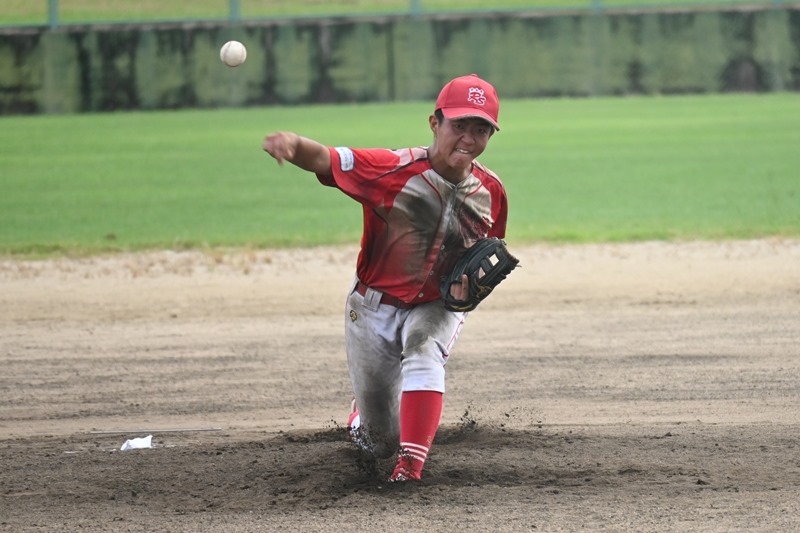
(281, 145)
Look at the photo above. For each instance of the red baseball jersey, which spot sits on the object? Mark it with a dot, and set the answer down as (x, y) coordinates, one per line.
(416, 223)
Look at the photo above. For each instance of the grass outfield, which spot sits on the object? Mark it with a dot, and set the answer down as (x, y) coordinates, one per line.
(577, 170)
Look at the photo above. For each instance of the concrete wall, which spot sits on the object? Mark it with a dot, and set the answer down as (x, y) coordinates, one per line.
(99, 68)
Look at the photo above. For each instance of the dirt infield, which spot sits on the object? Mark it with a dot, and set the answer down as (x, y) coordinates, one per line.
(630, 387)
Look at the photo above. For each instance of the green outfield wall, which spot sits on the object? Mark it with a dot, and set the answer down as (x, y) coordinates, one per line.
(162, 66)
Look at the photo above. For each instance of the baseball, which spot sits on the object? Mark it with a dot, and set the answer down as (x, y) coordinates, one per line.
(233, 53)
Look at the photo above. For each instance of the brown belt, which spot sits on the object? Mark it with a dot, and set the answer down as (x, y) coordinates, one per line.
(385, 298)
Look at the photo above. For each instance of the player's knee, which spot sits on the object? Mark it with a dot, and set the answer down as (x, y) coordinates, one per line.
(423, 369)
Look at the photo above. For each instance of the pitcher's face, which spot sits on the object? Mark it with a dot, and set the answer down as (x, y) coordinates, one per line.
(456, 143)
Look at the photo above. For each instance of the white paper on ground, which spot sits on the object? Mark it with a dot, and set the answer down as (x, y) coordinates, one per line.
(141, 442)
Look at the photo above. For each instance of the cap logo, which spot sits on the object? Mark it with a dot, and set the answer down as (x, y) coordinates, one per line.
(476, 96)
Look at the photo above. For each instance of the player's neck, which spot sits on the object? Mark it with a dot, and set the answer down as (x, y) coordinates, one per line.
(453, 174)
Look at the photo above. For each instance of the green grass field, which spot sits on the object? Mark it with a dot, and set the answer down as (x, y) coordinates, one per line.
(72, 11)
(577, 170)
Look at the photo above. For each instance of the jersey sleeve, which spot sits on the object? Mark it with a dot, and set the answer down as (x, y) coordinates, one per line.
(358, 172)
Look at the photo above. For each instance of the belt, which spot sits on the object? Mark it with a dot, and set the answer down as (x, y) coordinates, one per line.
(385, 298)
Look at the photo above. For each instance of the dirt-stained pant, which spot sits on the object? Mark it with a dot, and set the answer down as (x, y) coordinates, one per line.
(390, 351)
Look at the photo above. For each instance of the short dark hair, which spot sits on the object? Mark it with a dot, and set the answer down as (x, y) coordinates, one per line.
(440, 117)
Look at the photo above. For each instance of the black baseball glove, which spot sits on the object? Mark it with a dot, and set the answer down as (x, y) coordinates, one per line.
(486, 264)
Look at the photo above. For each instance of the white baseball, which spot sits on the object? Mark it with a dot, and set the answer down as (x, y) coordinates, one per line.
(233, 53)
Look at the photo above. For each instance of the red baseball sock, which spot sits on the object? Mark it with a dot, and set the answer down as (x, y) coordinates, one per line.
(420, 413)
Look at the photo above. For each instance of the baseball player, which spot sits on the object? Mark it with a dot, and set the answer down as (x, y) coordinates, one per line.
(423, 207)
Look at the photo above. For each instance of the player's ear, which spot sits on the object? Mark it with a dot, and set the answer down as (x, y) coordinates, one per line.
(433, 121)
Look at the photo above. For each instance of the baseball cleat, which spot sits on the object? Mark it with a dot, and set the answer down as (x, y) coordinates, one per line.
(354, 421)
(401, 474)
(354, 428)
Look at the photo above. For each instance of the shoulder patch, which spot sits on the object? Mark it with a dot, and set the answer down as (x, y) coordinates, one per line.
(346, 158)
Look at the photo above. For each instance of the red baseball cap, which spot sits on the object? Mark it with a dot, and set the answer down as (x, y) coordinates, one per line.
(469, 96)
